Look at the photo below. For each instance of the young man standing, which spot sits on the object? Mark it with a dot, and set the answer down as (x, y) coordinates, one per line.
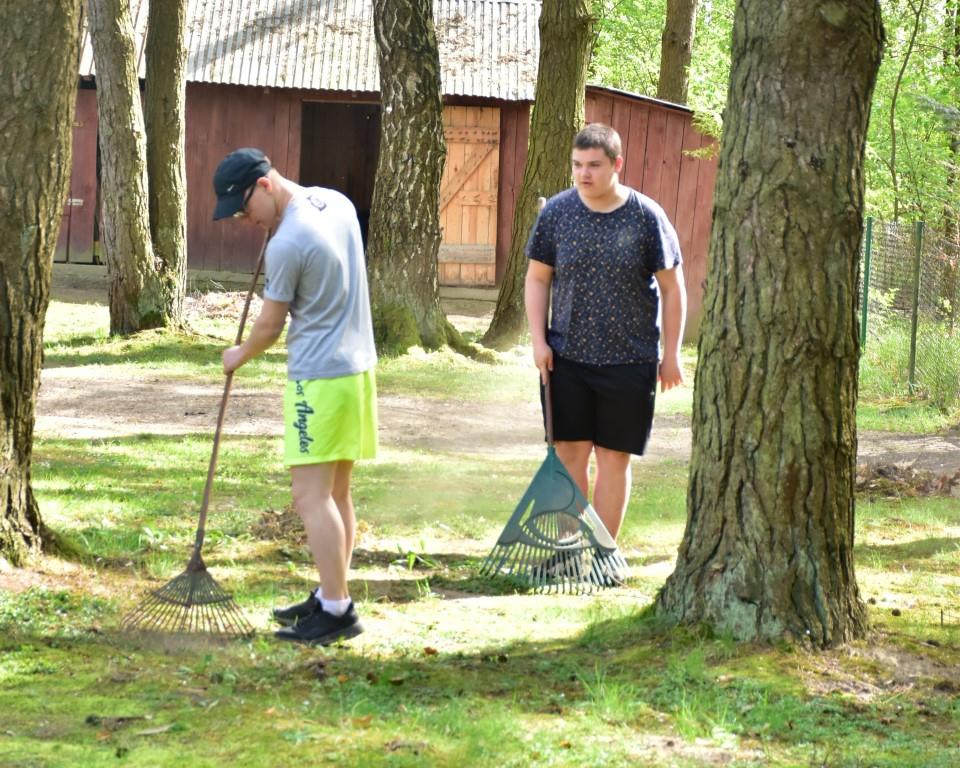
(605, 260)
(315, 272)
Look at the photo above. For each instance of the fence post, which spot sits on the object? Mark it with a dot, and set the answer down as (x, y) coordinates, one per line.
(915, 315)
(865, 293)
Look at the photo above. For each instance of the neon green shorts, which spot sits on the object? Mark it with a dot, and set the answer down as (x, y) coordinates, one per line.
(330, 419)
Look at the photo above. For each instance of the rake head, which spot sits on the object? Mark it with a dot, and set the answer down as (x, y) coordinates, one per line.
(193, 603)
(555, 541)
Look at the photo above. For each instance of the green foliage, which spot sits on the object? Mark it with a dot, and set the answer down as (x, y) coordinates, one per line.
(626, 53)
(927, 94)
(710, 64)
(627, 56)
(884, 366)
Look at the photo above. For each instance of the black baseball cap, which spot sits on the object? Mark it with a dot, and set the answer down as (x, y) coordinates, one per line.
(236, 173)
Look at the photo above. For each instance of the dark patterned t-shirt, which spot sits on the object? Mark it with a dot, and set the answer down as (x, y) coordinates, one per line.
(604, 302)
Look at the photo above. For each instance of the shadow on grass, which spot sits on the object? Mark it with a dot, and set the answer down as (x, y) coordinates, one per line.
(889, 555)
(632, 670)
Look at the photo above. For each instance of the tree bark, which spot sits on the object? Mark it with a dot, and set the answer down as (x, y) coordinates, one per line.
(404, 239)
(768, 547)
(136, 295)
(676, 49)
(164, 119)
(39, 51)
(566, 34)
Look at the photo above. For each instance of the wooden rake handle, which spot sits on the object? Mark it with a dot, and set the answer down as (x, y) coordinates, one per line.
(547, 399)
(548, 410)
(202, 524)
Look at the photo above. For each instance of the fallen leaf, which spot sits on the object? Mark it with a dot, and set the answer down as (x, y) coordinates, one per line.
(341, 678)
(565, 744)
(362, 722)
(428, 651)
(154, 731)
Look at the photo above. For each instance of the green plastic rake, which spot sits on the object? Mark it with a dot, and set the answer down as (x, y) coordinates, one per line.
(554, 540)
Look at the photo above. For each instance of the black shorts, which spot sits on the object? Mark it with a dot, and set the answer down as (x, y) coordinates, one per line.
(609, 405)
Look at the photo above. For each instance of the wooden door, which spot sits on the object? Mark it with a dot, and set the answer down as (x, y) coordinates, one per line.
(468, 196)
(75, 243)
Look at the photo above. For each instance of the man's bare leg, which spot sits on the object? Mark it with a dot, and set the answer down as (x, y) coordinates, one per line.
(312, 486)
(575, 457)
(344, 501)
(611, 488)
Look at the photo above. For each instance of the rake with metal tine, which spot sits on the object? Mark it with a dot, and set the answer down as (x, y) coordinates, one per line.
(194, 602)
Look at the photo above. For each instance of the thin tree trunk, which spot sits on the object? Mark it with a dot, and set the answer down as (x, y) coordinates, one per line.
(404, 239)
(676, 50)
(892, 162)
(951, 213)
(136, 296)
(164, 119)
(768, 548)
(566, 34)
(39, 53)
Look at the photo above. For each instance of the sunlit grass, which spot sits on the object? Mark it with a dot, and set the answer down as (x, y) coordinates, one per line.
(452, 670)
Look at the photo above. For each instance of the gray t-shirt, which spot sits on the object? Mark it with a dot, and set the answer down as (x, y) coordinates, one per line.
(315, 262)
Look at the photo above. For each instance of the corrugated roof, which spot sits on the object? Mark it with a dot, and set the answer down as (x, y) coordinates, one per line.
(488, 48)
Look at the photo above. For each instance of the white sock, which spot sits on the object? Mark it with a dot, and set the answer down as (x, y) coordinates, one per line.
(335, 607)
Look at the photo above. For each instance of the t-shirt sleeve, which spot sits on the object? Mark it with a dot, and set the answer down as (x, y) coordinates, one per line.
(542, 244)
(281, 271)
(666, 253)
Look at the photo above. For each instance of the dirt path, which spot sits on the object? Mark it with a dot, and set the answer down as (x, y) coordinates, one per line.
(161, 406)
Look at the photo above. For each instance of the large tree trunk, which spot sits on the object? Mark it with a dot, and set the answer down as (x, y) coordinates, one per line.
(676, 48)
(164, 112)
(136, 295)
(768, 547)
(38, 81)
(404, 239)
(566, 33)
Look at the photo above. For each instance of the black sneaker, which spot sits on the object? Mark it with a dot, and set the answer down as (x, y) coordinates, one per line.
(295, 613)
(322, 628)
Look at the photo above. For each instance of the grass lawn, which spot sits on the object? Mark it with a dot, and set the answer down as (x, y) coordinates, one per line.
(453, 669)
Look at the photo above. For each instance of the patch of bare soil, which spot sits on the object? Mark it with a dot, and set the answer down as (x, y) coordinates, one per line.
(83, 402)
(880, 667)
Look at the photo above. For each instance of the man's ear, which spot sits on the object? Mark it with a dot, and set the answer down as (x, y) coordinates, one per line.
(618, 164)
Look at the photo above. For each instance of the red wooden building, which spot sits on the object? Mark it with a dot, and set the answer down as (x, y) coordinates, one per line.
(300, 81)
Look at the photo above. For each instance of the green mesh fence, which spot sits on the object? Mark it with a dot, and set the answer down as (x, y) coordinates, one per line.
(911, 346)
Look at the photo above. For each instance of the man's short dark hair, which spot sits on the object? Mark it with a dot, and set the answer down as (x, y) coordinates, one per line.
(599, 136)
